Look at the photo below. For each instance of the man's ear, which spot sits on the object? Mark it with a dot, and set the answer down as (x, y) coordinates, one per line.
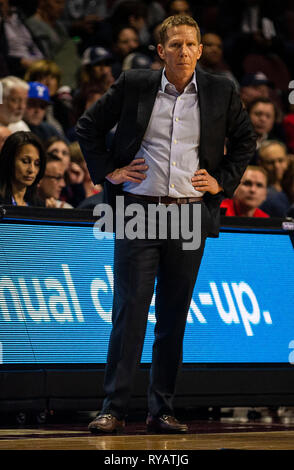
(160, 51)
(200, 49)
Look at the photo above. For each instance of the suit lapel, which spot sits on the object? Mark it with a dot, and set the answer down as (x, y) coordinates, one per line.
(205, 104)
(146, 102)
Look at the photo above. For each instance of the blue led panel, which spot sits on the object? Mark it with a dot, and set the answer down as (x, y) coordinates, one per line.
(56, 285)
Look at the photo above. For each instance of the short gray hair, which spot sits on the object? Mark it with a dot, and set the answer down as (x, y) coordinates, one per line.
(268, 143)
(10, 82)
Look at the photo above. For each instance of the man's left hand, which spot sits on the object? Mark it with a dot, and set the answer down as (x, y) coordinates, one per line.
(203, 181)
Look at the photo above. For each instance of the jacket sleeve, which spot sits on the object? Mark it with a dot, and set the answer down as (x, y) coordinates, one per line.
(93, 127)
(241, 145)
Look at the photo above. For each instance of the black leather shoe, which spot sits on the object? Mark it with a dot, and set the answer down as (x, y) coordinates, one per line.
(106, 423)
(165, 424)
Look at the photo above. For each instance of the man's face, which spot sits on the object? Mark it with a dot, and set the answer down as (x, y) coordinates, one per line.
(180, 52)
(35, 111)
(262, 116)
(251, 191)
(53, 181)
(13, 106)
(212, 49)
(274, 160)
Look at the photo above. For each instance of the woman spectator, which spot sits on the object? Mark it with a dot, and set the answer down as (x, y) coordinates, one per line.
(59, 147)
(22, 165)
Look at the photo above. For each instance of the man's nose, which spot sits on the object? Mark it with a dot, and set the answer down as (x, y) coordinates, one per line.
(184, 49)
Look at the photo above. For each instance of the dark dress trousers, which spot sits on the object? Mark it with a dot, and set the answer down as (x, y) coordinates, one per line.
(129, 102)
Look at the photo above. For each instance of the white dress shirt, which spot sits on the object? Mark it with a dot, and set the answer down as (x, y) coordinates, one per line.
(170, 144)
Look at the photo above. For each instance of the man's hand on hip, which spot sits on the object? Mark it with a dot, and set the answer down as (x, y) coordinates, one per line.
(203, 181)
(134, 172)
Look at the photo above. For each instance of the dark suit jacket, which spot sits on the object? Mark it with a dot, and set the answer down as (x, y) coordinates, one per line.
(129, 102)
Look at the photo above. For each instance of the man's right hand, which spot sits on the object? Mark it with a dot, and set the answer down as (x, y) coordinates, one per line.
(134, 172)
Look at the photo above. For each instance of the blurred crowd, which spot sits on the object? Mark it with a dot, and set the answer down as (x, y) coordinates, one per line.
(58, 57)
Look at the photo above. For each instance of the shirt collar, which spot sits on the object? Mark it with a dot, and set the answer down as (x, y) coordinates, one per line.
(190, 88)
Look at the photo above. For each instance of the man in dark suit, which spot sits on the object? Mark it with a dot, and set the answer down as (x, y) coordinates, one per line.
(168, 149)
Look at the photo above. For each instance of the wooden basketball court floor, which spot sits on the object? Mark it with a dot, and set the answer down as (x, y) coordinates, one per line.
(226, 433)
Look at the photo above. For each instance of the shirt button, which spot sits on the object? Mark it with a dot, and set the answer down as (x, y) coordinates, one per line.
(177, 119)
(172, 185)
(174, 163)
(175, 141)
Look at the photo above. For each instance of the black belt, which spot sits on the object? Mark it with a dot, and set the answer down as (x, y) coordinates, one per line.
(165, 199)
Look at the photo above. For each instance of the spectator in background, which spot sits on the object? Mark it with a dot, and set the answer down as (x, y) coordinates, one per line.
(54, 39)
(136, 60)
(212, 57)
(253, 86)
(96, 68)
(82, 17)
(51, 184)
(133, 13)
(22, 165)
(249, 195)
(46, 27)
(38, 100)
(126, 40)
(273, 157)
(22, 48)
(262, 113)
(253, 40)
(178, 7)
(15, 94)
(129, 13)
(257, 85)
(59, 112)
(79, 184)
(59, 148)
(155, 13)
(46, 72)
(4, 133)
